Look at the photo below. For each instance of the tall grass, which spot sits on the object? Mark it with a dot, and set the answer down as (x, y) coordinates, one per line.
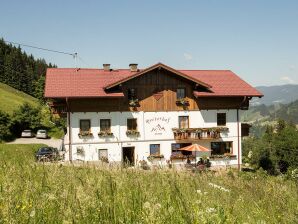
(55, 193)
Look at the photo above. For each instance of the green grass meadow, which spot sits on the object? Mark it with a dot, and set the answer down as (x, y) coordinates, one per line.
(11, 98)
(54, 193)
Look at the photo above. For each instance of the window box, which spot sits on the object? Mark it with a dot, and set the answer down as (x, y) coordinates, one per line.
(133, 103)
(132, 133)
(103, 134)
(151, 157)
(182, 102)
(85, 134)
(181, 156)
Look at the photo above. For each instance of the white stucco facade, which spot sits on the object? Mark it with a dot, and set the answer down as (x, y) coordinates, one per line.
(154, 128)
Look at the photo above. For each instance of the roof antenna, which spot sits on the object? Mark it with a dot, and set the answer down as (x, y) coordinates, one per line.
(75, 57)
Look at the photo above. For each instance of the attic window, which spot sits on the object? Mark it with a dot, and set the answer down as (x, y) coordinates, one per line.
(132, 94)
(181, 93)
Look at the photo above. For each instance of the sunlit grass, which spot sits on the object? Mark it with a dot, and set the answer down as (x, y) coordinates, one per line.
(50, 193)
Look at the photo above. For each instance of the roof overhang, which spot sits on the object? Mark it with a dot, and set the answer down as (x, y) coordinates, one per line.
(211, 94)
(158, 65)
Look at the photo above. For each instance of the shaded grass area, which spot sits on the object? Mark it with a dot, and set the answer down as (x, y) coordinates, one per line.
(55, 193)
(11, 99)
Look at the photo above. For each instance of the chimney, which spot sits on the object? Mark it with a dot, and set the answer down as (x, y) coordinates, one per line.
(107, 67)
(133, 67)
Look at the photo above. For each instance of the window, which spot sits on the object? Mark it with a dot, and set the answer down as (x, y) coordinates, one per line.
(221, 119)
(105, 124)
(132, 124)
(85, 125)
(183, 121)
(155, 149)
(176, 149)
(102, 154)
(220, 148)
(180, 93)
(132, 94)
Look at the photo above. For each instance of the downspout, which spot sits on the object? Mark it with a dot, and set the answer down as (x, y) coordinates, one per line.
(69, 131)
(238, 137)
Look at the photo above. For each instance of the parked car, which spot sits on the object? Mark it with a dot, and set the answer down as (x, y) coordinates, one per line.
(46, 154)
(41, 134)
(27, 134)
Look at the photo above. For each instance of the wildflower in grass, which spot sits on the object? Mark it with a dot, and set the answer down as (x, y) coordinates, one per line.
(147, 205)
(199, 192)
(219, 187)
(157, 206)
(32, 213)
(210, 210)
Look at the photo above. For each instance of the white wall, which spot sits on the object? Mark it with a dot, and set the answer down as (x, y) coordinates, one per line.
(154, 128)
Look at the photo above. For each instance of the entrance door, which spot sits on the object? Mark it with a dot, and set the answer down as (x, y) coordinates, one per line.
(128, 155)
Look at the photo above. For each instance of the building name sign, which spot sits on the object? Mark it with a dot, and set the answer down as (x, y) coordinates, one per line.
(157, 125)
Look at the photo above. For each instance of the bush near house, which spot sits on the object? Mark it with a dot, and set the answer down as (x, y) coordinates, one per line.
(276, 151)
(55, 193)
(31, 117)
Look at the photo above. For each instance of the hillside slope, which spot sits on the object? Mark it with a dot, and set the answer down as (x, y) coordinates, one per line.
(10, 98)
(262, 113)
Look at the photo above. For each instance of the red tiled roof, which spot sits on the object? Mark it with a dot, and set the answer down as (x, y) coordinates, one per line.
(71, 82)
(223, 82)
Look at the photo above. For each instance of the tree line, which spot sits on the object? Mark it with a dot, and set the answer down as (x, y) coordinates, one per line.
(22, 71)
(276, 151)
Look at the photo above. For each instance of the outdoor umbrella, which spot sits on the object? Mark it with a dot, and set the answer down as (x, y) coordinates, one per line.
(195, 148)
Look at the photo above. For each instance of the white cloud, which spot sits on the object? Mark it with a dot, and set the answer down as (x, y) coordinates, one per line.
(292, 67)
(287, 79)
(187, 56)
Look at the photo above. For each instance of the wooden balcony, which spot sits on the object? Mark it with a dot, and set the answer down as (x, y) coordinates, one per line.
(58, 108)
(198, 134)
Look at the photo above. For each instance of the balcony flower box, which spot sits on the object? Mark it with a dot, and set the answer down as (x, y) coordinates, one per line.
(181, 156)
(182, 102)
(134, 133)
(180, 133)
(85, 134)
(133, 103)
(152, 157)
(103, 134)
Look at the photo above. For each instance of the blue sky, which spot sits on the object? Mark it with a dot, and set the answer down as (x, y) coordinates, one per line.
(257, 39)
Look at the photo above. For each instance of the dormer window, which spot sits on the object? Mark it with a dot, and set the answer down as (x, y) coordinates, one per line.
(132, 94)
(181, 93)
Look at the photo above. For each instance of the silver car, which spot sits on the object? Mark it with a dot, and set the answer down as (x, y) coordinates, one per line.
(27, 134)
(41, 134)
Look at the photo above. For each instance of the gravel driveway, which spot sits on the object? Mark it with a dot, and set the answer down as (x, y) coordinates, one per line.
(50, 142)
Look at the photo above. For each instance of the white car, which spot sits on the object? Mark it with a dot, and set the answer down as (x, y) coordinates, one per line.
(27, 134)
(41, 134)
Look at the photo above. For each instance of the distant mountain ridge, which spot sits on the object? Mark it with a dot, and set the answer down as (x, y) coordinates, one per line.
(276, 94)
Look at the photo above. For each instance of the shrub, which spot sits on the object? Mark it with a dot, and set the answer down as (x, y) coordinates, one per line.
(5, 122)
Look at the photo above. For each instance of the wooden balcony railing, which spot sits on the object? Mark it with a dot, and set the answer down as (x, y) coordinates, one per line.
(58, 108)
(198, 133)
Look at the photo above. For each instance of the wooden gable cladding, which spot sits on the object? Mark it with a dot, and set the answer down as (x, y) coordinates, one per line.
(158, 94)
(156, 91)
